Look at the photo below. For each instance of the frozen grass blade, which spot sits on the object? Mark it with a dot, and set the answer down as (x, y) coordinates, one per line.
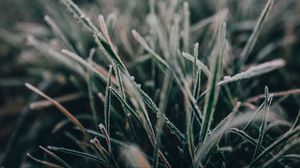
(162, 63)
(58, 32)
(199, 64)
(167, 84)
(275, 144)
(253, 38)
(206, 148)
(110, 50)
(189, 127)
(106, 135)
(101, 150)
(100, 40)
(120, 82)
(196, 55)
(77, 153)
(254, 116)
(91, 86)
(113, 141)
(58, 106)
(45, 163)
(296, 122)
(197, 84)
(186, 27)
(83, 62)
(38, 105)
(254, 71)
(125, 104)
(149, 102)
(185, 89)
(54, 55)
(103, 29)
(245, 136)
(275, 94)
(108, 101)
(54, 156)
(212, 96)
(80, 16)
(275, 158)
(262, 129)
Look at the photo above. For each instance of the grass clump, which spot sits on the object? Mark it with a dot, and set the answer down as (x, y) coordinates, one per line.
(149, 87)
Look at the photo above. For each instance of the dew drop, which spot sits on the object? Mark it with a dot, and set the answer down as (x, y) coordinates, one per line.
(172, 132)
(157, 115)
(227, 77)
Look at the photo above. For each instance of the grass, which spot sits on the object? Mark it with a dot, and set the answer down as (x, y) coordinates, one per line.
(149, 85)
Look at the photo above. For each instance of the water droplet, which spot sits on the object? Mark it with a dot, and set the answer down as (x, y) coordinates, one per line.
(227, 77)
(82, 15)
(157, 115)
(172, 132)
(132, 77)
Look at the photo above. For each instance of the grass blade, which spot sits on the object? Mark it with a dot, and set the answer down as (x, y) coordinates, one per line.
(45, 163)
(58, 106)
(275, 158)
(77, 153)
(162, 63)
(253, 38)
(262, 129)
(106, 135)
(275, 144)
(100, 40)
(200, 64)
(108, 101)
(58, 32)
(54, 156)
(167, 84)
(83, 62)
(186, 29)
(91, 86)
(212, 96)
(254, 71)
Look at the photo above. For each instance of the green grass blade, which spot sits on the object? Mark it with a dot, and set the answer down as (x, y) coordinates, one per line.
(90, 84)
(212, 96)
(262, 129)
(54, 156)
(254, 71)
(200, 64)
(114, 141)
(45, 163)
(108, 101)
(100, 40)
(275, 158)
(275, 144)
(167, 84)
(161, 63)
(253, 38)
(245, 136)
(77, 153)
(58, 32)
